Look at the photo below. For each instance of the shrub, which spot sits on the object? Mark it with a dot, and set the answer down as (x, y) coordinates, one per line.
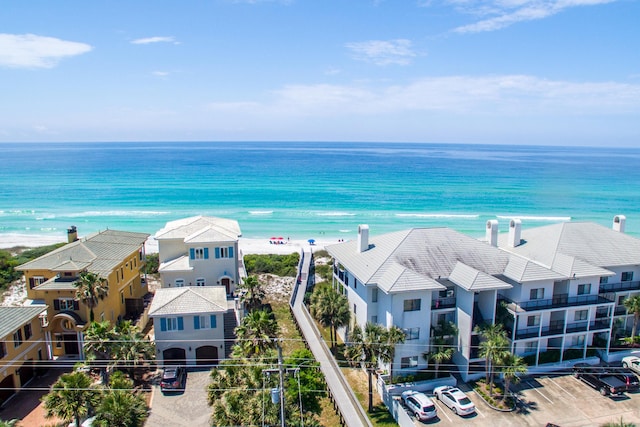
(280, 265)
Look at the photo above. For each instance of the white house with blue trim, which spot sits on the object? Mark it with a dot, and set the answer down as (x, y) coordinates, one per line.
(199, 251)
(189, 324)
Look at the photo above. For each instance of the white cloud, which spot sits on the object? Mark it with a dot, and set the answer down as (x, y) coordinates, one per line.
(32, 51)
(161, 73)
(383, 52)
(156, 39)
(503, 13)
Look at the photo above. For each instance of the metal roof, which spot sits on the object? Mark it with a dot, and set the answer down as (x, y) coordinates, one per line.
(99, 253)
(523, 270)
(188, 300)
(12, 318)
(190, 228)
(592, 243)
(471, 279)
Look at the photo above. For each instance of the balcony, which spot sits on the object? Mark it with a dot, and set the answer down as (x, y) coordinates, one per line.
(558, 301)
(618, 287)
(555, 327)
(442, 303)
(620, 311)
(600, 324)
(577, 327)
(531, 332)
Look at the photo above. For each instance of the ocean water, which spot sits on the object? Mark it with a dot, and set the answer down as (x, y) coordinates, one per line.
(311, 190)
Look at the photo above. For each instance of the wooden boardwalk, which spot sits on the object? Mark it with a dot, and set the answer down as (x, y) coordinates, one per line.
(352, 413)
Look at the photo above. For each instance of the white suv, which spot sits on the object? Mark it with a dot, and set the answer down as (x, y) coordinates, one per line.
(455, 399)
(419, 404)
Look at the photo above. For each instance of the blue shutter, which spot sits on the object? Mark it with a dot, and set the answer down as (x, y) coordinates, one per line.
(213, 321)
(196, 322)
(180, 324)
(217, 252)
(206, 253)
(163, 324)
(192, 253)
(230, 251)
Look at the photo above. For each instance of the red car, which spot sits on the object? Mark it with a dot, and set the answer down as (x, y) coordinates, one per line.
(174, 378)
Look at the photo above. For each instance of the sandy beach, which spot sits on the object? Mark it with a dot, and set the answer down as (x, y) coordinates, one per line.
(247, 246)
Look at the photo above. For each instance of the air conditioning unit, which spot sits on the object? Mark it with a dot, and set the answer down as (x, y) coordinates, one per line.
(450, 293)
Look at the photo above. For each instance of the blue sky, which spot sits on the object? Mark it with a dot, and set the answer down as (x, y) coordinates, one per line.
(561, 72)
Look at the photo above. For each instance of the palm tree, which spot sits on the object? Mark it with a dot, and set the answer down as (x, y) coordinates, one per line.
(131, 348)
(331, 309)
(10, 423)
(632, 305)
(91, 289)
(99, 344)
(253, 292)
(71, 397)
(121, 405)
(392, 337)
(493, 348)
(256, 334)
(441, 353)
(512, 366)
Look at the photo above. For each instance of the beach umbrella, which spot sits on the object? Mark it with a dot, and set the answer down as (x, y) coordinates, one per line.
(311, 241)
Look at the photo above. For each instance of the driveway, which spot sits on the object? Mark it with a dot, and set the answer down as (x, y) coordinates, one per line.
(182, 409)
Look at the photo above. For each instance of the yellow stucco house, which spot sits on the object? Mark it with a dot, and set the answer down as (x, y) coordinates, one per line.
(22, 345)
(116, 256)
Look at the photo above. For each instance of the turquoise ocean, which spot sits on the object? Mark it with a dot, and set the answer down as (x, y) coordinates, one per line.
(311, 190)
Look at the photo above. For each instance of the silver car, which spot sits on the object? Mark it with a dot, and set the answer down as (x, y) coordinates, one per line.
(419, 404)
(455, 399)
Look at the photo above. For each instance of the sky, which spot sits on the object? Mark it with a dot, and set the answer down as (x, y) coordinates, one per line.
(542, 72)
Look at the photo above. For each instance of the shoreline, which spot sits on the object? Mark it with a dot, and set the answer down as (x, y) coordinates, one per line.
(245, 244)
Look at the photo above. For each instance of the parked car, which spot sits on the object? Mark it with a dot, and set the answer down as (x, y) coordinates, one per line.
(455, 399)
(600, 378)
(632, 362)
(419, 404)
(174, 378)
(628, 377)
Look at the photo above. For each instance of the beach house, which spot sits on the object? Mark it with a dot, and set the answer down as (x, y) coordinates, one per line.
(199, 251)
(189, 325)
(555, 289)
(22, 346)
(117, 257)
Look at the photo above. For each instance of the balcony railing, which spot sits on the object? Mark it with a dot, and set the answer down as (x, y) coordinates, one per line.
(600, 324)
(557, 327)
(554, 328)
(577, 326)
(620, 286)
(558, 301)
(531, 332)
(441, 303)
(620, 311)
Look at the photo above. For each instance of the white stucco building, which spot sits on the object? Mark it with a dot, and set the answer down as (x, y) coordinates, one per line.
(557, 289)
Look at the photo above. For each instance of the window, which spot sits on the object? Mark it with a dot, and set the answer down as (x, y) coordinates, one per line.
(179, 283)
(201, 281)
(533, 321)
(121, 297)
(205, 322)
(355, 307)
(627, 276)
(17, 338)
(581, 315)
(355, 283)
(374, 319)
(537, 293)
(621, 299)
(65, 304)
(224, 252)
(130, 290)
(604, 280)
(409, 362)
(584, 289)
(374, 295)
(27, 331)
(578, 341)
(412, 333)
(531, 347)
(412, 304)
(171, 324)
(3, 350)
(199, 253)
(36, 281)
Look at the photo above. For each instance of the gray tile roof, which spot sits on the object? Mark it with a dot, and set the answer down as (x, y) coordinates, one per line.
(523, 270)
(470, 279)
(397, 278)
(592, 243)
(215, 229)
(179, 264)
(12, 318)
(429, 253)
(188, 300)
(99, 253)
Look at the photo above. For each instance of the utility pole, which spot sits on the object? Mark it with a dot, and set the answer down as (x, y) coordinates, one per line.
(281, 373)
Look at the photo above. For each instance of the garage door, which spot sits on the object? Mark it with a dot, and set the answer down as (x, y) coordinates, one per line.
(6, 389)
(207, 355)
(174, 356)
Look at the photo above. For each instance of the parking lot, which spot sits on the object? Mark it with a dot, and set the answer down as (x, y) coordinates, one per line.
(561, 400)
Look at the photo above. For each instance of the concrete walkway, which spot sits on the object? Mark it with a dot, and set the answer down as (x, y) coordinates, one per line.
(352, 413)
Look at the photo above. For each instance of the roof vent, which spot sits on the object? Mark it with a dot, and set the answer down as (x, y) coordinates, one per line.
(363, 238)
(619, 222)
(492, 232)
(515, 226)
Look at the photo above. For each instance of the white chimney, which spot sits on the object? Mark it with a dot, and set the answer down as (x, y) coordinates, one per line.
(492, 232)
(618, 223)
(515, 226)
(363, 237)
